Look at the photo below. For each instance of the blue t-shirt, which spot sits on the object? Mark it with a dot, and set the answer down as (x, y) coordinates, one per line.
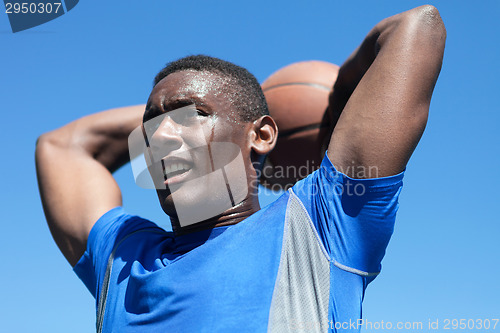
(300, 264)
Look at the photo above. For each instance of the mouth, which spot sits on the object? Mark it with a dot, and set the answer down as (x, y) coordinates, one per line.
(175, 170)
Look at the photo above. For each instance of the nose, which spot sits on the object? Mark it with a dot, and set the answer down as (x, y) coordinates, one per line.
(166, 138)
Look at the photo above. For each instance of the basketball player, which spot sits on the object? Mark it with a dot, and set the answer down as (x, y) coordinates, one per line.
(300, 264)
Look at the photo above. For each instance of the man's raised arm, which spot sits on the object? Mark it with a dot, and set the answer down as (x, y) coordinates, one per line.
(384, 90)
(74, 165)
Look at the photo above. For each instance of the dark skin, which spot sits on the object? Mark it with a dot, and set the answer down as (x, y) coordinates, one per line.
(381, 100)
(383, 92)
(220, 122)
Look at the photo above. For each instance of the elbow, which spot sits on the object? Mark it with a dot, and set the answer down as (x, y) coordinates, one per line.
(62, 138)
(55, 144)
(53, 138)
(428, 22)
(44, 140)
(46, 145)
(431, 17)
(423, 34)
(43, 148)
(419, 29)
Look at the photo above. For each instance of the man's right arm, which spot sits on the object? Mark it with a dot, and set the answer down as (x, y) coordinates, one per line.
(74, 167)
(383, 93)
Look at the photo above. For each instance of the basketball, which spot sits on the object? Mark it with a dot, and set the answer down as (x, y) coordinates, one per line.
(297, 96)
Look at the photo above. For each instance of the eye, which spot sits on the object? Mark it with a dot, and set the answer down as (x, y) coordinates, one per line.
(188, 117)
(183, 117)
(202, 113)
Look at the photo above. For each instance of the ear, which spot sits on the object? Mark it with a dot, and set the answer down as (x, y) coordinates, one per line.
(264, 135)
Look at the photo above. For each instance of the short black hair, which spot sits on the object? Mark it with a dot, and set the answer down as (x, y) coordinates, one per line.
(247, 96)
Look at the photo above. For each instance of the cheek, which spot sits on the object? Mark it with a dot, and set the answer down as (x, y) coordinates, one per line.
(212, 130)
(196, 136)
(229, 132)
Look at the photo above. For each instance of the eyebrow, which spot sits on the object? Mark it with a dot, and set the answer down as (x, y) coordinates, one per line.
(174, 103)
(179, 102)
(151, 112)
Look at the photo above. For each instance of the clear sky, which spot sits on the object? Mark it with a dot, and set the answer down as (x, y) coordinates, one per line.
(443, 261)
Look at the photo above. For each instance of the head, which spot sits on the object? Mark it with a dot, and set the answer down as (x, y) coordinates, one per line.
(211, 131)
(242, 89)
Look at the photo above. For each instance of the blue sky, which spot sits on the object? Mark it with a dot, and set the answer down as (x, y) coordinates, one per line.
(443, 261)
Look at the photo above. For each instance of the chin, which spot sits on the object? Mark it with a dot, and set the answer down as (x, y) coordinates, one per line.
(168, 207)
(195, 202)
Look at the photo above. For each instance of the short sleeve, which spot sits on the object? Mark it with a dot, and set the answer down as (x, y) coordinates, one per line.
(104, 235)
(354, 218)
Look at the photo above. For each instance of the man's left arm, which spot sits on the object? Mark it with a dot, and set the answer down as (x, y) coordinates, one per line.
(383, 93)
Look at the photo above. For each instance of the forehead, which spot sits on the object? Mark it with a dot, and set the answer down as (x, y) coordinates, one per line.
(189, 84)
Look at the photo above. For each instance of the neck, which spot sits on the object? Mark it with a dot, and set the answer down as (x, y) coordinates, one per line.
(232, 216)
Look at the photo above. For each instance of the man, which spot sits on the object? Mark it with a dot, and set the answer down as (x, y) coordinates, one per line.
(300, 264)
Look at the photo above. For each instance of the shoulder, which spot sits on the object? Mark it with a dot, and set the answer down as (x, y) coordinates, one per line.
(117, 221)
(330, 181)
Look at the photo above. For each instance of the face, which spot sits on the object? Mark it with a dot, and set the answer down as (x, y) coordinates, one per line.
(198, 153)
